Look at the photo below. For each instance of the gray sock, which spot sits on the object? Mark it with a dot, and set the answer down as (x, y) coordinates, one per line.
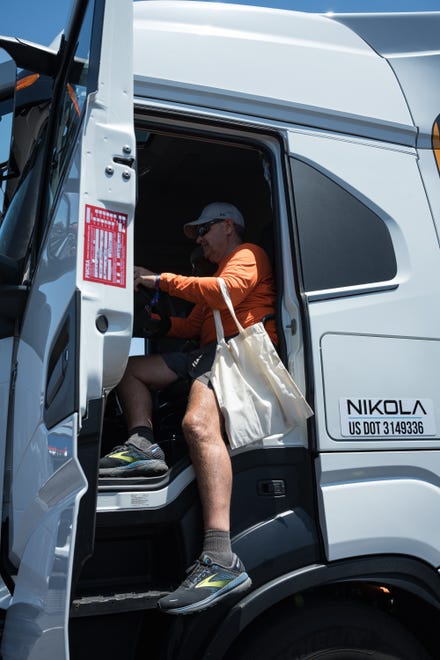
(141, 437)
(217, 545)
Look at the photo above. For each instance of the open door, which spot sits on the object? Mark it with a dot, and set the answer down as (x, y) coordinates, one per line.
(75, 335)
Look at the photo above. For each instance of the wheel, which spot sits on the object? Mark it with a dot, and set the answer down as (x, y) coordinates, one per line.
(334, 631)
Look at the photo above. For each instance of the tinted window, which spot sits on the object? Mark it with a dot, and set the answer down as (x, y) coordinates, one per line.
(343, 243)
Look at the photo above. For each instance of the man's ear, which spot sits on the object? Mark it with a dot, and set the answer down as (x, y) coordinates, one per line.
(230, 225)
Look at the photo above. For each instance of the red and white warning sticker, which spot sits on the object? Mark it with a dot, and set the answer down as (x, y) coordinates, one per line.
(105, 246)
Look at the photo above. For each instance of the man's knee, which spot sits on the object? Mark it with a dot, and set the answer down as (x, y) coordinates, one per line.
(193, 425)
(150, 370)
(136, 366)
(201, 425)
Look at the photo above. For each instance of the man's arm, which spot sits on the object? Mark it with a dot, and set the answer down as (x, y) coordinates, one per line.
(240, 273)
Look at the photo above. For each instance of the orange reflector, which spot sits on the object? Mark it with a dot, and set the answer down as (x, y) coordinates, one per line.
(73, 98)
(436, 141)
(27, 81)
(384, 590)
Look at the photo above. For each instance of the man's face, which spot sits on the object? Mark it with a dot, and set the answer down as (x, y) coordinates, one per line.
(215, 240)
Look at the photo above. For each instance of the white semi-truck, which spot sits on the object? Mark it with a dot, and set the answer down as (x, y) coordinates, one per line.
(324, 131)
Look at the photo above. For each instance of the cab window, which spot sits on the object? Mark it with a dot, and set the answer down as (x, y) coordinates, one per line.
(343, 243)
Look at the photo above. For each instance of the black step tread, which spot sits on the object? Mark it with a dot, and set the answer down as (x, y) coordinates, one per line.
(120, 602)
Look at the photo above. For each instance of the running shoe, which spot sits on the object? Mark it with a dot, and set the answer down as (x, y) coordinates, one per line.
(129, 461)
(207, 584)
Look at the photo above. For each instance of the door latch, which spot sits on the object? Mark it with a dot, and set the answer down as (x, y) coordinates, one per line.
(293, 326)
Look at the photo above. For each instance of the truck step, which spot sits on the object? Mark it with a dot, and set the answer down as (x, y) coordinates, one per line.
(119, 602)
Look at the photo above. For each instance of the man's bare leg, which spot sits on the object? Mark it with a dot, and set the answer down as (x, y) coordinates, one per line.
(202, 427)
(142, 375)
(218, 573)
(139, 455)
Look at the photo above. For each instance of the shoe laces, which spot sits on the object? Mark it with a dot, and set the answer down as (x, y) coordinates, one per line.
(118, 449)
(153, 452)
(200, 569)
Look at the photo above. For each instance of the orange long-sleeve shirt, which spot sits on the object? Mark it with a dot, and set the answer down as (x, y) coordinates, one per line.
(248, 276)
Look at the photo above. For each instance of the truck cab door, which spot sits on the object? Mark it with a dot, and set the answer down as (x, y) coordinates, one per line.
(76, 330)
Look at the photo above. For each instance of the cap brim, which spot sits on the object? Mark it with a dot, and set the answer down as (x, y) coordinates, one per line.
(190, 228)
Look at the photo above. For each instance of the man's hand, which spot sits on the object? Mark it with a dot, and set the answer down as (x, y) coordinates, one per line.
(144, 277)
(157, 327)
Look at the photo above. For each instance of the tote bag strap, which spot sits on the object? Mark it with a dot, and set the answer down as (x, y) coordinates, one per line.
(216, 313)
(228, 301)
(218, 325)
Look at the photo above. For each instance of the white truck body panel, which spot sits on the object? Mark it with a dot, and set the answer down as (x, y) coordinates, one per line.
(368, 498)
(293, 67)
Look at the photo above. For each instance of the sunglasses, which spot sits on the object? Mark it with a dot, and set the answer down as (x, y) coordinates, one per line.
(203, 229)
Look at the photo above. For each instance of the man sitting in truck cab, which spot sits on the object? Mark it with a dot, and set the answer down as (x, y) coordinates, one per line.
(246, 269)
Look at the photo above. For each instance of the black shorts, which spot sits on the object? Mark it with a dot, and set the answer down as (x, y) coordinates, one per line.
(193, 365)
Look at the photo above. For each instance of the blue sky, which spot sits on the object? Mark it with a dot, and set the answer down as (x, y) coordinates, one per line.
(42, 20)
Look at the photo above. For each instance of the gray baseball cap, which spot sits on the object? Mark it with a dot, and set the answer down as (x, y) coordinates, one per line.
(214, 211)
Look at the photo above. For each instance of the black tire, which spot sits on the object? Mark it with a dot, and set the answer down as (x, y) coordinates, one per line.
(334, 631)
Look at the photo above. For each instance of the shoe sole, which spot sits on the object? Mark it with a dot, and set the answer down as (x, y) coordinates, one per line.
(148, 468)
(212, 600)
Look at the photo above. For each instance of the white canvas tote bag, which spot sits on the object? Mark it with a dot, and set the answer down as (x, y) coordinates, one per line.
(256, 394)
